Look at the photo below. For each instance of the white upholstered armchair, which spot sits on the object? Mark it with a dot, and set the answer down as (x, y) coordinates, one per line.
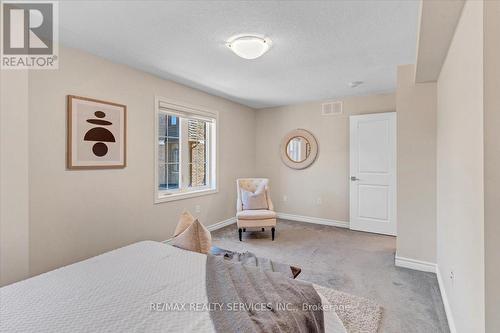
(254, 208)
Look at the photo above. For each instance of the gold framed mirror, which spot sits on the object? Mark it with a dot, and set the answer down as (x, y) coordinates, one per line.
(299, 149)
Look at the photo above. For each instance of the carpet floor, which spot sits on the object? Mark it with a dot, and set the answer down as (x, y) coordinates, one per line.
(358, 263)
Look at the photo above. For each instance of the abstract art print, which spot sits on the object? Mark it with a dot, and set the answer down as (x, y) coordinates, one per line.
(96, 134)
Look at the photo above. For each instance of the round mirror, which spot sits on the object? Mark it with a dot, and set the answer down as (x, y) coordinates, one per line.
(299, 149)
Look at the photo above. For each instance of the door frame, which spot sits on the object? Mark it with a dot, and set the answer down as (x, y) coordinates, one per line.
(395, 173)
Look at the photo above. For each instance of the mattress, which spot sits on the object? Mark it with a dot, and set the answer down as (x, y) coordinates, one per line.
(144, 287)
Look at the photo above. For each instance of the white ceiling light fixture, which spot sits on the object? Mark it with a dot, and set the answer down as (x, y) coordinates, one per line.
(249, 46)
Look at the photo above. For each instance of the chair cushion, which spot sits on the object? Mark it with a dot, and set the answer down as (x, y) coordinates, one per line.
(256, 214)
(185, 221)
(254, 200)
(195, 238)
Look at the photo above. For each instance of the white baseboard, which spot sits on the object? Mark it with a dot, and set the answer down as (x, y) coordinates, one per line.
(426, 266)
(307, 219)
(221, 224)
(418, 265)
(316, 220)
(446, 303)
(285, 216)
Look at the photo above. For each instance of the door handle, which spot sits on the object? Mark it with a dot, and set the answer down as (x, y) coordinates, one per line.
(354, 178)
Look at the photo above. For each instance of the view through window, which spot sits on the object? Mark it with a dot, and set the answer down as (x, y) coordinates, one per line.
(185, 153)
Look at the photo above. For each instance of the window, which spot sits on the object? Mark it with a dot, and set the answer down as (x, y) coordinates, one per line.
(186, 151)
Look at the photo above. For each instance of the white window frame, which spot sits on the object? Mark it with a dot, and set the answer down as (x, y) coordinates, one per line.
(185, 109)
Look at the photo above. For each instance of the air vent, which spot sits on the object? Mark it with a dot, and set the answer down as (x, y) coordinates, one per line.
(331, 109)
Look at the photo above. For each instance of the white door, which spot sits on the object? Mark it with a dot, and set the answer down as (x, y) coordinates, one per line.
(373, 173)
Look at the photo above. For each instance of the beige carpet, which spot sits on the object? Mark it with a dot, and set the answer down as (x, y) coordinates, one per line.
(358, 314)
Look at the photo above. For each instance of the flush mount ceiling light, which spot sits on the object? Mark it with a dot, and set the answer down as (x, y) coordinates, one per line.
(249, 46)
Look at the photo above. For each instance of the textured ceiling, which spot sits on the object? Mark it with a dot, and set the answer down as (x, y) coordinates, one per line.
(318, 46)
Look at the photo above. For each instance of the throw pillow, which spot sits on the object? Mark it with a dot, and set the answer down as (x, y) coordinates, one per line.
(195, 238)
(254, 200)
(185, 221)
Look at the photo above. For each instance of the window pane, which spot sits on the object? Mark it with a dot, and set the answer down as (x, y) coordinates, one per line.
(168, 151)
(162, 177)
(197, 130)
(173, 126)
(168, 176)
(168, 125)
(197, 135)
(173, 175)
(198, 174)
(162, 150)
(172, 150)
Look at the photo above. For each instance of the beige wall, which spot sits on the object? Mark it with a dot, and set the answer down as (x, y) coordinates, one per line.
(328, 178)
(416, 216)
(78, 214)
(14, 182)
(492, 163)
(460, 224)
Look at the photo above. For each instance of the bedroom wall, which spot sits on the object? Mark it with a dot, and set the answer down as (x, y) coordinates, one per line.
(416, 108)
(14, 181)
(460, 218)
(322, 190)
(492, 163)
(79, 214)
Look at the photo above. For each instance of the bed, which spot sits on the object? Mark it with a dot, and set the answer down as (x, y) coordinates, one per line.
(144, 287)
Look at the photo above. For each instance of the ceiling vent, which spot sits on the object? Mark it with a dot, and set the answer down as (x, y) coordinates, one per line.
(331, 109)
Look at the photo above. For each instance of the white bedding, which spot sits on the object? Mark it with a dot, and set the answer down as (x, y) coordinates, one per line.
(114, 292)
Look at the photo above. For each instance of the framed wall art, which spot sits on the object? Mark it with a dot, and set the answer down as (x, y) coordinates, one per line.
(96, 134)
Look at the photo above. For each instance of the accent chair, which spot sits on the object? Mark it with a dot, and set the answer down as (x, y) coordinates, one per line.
(258, 213)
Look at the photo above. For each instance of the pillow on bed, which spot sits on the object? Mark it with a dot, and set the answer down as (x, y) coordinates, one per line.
(254, 200)
(195, 238)
(185, 221)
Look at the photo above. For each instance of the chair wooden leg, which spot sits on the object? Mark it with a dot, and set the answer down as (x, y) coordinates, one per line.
(272, 233)
(240, 233)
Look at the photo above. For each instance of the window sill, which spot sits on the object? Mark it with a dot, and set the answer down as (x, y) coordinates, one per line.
(163, 197)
